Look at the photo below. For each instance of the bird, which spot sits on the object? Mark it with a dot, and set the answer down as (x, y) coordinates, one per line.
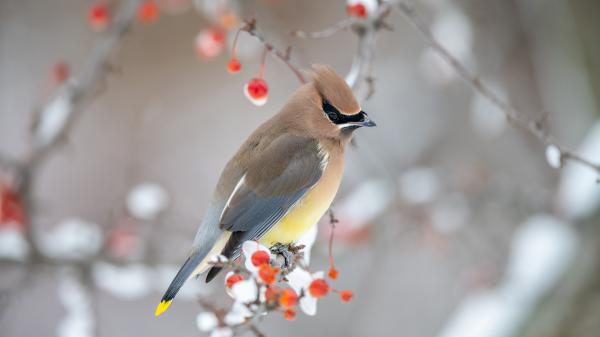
(283, 178)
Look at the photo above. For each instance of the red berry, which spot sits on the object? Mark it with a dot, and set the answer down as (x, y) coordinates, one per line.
(228, 20)
(359, 10)
(210, 43)
(260, 257)
(267, 274)
(233, 279)
(256, 91)
(271, 294)
(122, 242)
(60, 73)
(333, 273)
(148, 11)
(234, 66)
(11, 209)
(98, 16)
(289, 314)
(346, 295)
(318, 288)
(288, 298)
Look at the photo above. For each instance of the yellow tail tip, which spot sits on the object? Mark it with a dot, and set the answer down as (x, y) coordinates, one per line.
(162, 307)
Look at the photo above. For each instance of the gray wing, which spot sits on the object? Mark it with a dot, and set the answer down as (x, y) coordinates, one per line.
(274, 181)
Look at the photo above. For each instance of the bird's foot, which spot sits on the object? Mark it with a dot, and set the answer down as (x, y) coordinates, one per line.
(287, 255)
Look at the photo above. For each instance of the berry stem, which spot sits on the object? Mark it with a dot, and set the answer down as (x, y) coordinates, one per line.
(332, 221)
(235, 43)
(263, 60)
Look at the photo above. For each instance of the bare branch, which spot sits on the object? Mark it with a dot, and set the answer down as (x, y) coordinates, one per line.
(72, 98)
(367, 31)
(513, 116)
(250, 28)
(78, 90)
(327, 32)
(256, 331)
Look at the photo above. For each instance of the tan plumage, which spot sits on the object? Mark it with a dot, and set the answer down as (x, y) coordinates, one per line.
(282, 179)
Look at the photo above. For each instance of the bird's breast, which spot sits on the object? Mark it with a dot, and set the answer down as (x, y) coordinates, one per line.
(310, 208)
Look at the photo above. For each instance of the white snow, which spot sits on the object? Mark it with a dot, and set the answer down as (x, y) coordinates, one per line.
(73, 238)
(127, 282)
(206, 321)
(578, 192)
(238, 314)
(553, 156)
(245, 291)
(541, 251)
(79, 319)
(222, 332)
(373, 196)
(300, 279)
(147, 200)
(419, 185)
(13, 244)
(53, 118)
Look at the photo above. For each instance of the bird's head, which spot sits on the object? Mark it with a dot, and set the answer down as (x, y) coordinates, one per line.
(327, 106)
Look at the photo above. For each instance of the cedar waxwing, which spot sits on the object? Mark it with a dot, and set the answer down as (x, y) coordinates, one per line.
(283, 178)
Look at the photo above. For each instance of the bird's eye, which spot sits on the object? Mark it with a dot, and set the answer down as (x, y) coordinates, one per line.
(332, 113)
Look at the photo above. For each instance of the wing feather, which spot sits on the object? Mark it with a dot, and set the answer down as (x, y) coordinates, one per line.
(273, 183)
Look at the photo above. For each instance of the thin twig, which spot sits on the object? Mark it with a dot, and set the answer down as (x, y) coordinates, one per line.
(366, 30)
(513, 115)
(332, 222)
(325, 33)
(256, 331)
(250, 27)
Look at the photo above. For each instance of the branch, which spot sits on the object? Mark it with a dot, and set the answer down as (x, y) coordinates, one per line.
(58, 116)
(327, 32)
(256, 331)
(79, 89)
(513, 116)
(366, 30)
(250, 27)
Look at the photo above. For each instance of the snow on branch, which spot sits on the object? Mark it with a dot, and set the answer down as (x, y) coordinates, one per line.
(268, 280)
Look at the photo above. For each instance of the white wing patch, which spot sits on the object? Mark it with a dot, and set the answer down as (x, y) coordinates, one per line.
(237, 187)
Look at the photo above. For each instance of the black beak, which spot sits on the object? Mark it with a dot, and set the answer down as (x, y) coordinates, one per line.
(366, 121)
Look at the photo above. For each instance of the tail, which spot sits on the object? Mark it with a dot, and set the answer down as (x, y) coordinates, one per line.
(230, 249)
(196, 263)
(182, 275)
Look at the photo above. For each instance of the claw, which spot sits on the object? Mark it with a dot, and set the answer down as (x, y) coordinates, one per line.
(290, 255)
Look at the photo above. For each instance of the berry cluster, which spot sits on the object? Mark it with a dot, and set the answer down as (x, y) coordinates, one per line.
(259, 286)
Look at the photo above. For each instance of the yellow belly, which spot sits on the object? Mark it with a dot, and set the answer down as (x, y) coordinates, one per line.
(305, 214)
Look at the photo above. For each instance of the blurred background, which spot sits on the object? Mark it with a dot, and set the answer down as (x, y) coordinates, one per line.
(453, 223)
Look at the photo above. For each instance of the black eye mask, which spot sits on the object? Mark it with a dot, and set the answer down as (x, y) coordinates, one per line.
(339, 118)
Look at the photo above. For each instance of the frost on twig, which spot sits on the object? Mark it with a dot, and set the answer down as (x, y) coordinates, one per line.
(266, 281)
(284, 56)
